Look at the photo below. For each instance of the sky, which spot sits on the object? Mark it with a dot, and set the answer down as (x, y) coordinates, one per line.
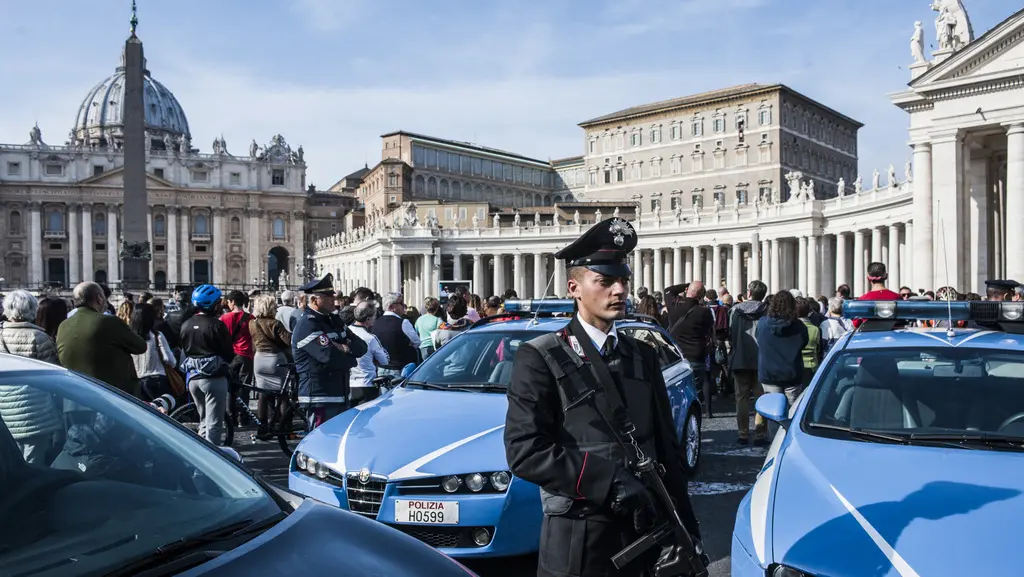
(519, 75)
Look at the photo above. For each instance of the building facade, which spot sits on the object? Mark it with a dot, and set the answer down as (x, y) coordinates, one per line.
(766, 184)
(231, 219)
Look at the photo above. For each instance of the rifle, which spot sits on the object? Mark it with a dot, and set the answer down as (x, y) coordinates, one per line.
(679, 555)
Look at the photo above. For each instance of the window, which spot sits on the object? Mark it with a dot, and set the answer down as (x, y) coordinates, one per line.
(99, 224)
(720, 159)
(54, 220)
(419, 185)
(697, 127)
(619, 175)
(620, 141)
(392, 179)
(158, 172)
(54, 170)
(741, 196)
(431, 158)
(159, 225)
(637, 171)
(606, 142)
(418, 157)
(97, 169)
(675, 165)
(719, 125)
(200, 176)
(764, 117)
(697, 199)
(201, 225)
(277, 227)
(764, 192)
(13, 168)
(432, 187)
(741, 156)
(236, 227)
(655, 134)
(607, 176)
(674, 202)
(277, 178)
(719, 197)
(698, 161)
(236, 178)
(517, 173)
(655, 167)
(442, 160)
(674, 132)
(636, 138)
(766, 153)
(593, 178)
(15, 222)
(740, 121)
(593, 146)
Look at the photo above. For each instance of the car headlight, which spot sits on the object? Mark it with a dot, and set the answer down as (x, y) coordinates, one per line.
(306, 464)
(475, 482)
(300, 461)
(451, 484)
(783, 571)
(500, 480)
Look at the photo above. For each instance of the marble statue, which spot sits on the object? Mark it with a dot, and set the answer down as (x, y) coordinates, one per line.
(597, 216)
(497, 220)
(431, 221)
(410, 215)
(168, 146)
(841, 187)
(455, 220)
(397, 221)
(793, 180)
(952, 26)
(576, 217)
(639, 210)
(917, 44)
(216, 146)
(516, 219)
(184, 144)
(776, 197)
(35, 136)
(718, 204)
(696, 208)
(678, 211)
(149, 140)
(858, 185)
(892, 176)
(254, 149)
(809, 190)
(876, 180)
(476, 222)
(300, 154)
(536, 218)
(908, 171)
(657, 211)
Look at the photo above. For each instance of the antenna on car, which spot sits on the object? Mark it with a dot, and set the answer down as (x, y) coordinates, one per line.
(945, 264)
(536, 313)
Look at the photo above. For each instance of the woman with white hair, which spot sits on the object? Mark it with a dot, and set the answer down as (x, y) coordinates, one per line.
(834, 325)
(32, 415)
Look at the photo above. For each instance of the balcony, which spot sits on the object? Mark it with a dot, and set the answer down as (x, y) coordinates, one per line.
(54, 235)
(199, 237)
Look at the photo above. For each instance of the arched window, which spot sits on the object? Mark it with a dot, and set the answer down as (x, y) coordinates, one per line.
(15, 222)
(432, 187)
(457, 190)
(159, 225)
(160, 280)
(445, 191)
(278, 227)
(236, 226)
(54, 220)
(99, 224)
(201, 225)
(420, 185)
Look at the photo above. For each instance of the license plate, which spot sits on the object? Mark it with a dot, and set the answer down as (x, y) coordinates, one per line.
(427, 512)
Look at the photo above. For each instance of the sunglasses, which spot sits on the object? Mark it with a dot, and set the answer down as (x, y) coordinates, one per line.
(906, 295)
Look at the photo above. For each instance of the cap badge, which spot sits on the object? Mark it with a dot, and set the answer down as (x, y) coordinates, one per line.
(620, 229)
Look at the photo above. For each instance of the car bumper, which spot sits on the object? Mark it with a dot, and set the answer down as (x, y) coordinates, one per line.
(513, 518)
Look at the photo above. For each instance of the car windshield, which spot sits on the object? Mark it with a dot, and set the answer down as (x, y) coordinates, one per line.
(957, 395)
(95, 481)
(475, 359)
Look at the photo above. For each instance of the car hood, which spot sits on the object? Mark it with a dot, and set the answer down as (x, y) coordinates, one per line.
(413, 433)
(320, 540)
(845, 507)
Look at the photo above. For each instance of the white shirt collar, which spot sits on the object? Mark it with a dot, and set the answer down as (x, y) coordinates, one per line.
(598, 336)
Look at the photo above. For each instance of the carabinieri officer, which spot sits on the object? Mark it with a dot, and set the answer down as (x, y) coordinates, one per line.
(324, 352)
(557, 431)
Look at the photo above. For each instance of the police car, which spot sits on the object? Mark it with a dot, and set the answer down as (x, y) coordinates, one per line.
(904, 456)
(428, 456)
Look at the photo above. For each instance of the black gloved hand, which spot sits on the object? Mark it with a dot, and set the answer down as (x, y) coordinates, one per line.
(628, 494)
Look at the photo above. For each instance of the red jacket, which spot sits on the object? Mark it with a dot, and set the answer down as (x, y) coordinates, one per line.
(882, 295)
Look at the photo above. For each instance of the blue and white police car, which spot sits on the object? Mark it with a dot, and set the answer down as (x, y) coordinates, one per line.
(904, 456)
(428, 456)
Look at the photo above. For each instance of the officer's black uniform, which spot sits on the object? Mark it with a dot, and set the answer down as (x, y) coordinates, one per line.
(322, 368)
(565, 446)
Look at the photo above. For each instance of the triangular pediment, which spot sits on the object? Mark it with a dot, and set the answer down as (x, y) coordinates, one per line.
(115, 177)
(998, 52)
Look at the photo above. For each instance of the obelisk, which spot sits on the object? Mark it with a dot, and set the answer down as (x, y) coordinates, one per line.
(135, 249)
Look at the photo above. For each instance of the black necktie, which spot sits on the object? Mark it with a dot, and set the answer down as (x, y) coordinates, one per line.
(609, 344)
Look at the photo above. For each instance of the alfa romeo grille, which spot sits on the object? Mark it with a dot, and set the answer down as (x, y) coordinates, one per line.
(365, 498)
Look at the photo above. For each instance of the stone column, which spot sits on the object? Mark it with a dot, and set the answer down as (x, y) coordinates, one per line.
(658, 284)
(859, 276)
(74, 245)
(1014, 201)
(688, 266)
(35, 235)
(754, 268)
(842, 268)
(908, 256)
(766, 268)
(828, 266)
(478, 275)
(698, 264)
(171, 220)
(923, 241)
(87, 267)
(518, 282)
(254, 261)
(539, 275)
(716, 267)
(186, 243)
(427, 286)
(677, 266)
(299, 236)
(396, 273)
(895, 280)
(802, 265)
(559, 287)
(113, 246)
(736, 270)
(876, 244)
(136, 273)
(220, 257)
(149, 237)
(813, 262)
(637, 269)
(776, 285)
(457, 273)
(499, 275)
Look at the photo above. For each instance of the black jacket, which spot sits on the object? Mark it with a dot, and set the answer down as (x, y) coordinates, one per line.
(205, 336)
(691, 327)
(780, 348)
(388, 329)
(743, 319)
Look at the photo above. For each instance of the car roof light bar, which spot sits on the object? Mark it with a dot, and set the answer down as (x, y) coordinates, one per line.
(979, 311)
(534, 306)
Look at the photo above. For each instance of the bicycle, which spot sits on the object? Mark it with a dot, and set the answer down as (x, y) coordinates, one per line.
(293, 425)
(188, 415)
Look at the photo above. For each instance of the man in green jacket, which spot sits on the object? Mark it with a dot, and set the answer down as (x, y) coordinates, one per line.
(98, 345)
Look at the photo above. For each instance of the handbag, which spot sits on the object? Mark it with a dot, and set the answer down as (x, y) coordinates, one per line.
(175, 381)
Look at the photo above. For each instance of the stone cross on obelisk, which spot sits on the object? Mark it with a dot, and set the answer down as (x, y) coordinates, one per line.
(135, 249)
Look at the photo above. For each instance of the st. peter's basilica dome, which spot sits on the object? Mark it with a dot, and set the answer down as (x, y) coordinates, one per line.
(100, 116)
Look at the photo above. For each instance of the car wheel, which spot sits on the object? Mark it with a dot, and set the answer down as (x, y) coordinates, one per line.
(691, 442)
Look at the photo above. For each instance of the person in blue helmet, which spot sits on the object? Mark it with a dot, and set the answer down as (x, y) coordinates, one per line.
(207, 351)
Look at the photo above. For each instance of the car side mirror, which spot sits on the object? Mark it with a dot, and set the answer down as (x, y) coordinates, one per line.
(407, 370)
(773, 406)
(232, 453)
